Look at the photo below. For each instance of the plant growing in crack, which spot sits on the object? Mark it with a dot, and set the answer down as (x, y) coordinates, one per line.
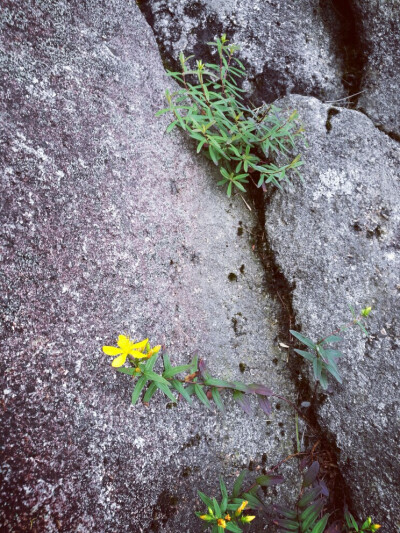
(307, 515)
(241, 141)
(321, 354)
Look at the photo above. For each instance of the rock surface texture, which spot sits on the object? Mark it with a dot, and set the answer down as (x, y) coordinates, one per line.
(379, 28)
(111, 226)
(337, 240)
(288, 47)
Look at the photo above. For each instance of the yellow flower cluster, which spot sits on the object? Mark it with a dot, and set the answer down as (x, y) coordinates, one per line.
(125, 347)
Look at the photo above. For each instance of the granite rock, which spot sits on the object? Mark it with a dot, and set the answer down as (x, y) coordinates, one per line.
(336, 238)
(108, 226)
(379, 30)
(287, 47)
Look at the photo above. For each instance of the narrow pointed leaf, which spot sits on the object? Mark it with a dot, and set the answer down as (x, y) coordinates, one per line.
(150, 392)
(305, 340)
(166, 390)
(320, 526)
(311, 475)
(138, 389)
(238, 483)
(201, 396)
(182, 390)
(217, 399)
(265, 405)
(243, 401)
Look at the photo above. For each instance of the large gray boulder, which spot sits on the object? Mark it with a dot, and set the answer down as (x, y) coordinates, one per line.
(379, 30)
(336, 238)
(109, 226)
(288, 47)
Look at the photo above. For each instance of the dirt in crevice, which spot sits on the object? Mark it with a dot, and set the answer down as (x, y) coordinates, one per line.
(281, 291)
(341, 22)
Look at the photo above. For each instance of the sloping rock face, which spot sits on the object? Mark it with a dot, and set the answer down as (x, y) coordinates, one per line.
(288, 47)
(111, 226)
(336, 238)
(379, 28)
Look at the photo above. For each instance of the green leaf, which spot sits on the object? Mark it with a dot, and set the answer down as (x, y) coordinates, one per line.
(176, 370)
(333, 338)
(166, 391)
(138, 389)
(324, 379)
(171, 126)
(215, 382)
(310, 515)
(181, 389)
(167, 362)
(309, 496)
(217, 509)
(238, 483)
(129, 371)
(332, 370)
(217, 399)
(150, 363)
(201, 395)
(205, 499)
(307, 355)
(213, 155)
(320, 526)
(254, 502)
(150, 392)
(289, 525)
(224, 491)
(231, 526)
(304, 340)
(317, 366)
(155, 377)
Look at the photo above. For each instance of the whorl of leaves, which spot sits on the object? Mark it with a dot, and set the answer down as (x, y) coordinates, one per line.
(242, 142)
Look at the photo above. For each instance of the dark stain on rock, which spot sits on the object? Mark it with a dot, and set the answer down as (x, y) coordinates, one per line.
(332, 112)
(232, 276)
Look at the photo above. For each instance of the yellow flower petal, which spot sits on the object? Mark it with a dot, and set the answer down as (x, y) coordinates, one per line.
(221, 522)
(241, 508)
(124, 342)
(140, 346)
(156, 349)
(111, 350)
(120, 360)
(137, 355)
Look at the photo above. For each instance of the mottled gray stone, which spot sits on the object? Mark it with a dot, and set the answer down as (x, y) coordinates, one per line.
(109, 225)
(288, 47)
(336, 238)
(379, 29)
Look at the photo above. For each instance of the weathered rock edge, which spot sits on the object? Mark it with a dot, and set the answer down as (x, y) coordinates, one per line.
(336, 238)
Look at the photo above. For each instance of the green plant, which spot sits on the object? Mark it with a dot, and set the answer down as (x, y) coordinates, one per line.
(227, 513)
(242, 142)
(306, 517)
(322, 356)
(198, 381)
(353, 527)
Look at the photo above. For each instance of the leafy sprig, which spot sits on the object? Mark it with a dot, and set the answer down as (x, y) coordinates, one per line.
(322, 355)
(241, 141)
(229, 512)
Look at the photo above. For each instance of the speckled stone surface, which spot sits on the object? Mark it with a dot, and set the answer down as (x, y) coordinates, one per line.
(288, 47)
(336, 238)
(109, 225)
(379, 29)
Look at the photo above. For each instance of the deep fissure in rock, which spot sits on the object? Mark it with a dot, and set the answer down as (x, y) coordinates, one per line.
(346, 33)
(276, 284)
(278, 287)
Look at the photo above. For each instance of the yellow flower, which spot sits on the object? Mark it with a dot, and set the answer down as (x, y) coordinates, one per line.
(154, 350)
(206, 517)
(241, 508)
(126, 347)
(228, 518)
(221, 522)
(247, 519)
(375, 527)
